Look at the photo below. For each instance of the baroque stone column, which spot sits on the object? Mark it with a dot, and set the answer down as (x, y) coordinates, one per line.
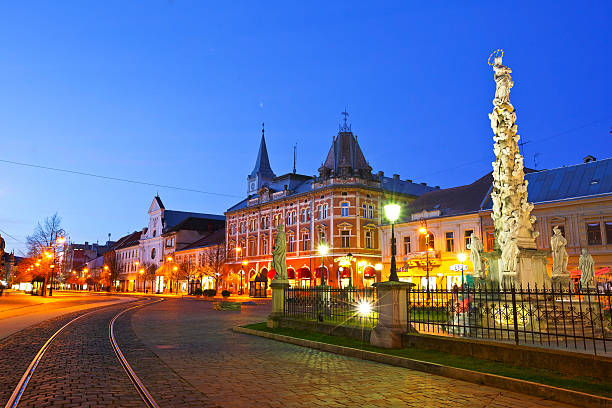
(514, 224)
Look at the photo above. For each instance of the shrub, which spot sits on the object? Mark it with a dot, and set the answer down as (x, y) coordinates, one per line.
(225, 293)
(198, 292)
(210, 292)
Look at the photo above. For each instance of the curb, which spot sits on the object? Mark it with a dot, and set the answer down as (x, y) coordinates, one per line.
(492, 380)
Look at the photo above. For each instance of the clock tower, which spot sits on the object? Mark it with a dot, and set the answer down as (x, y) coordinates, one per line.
(262, 174)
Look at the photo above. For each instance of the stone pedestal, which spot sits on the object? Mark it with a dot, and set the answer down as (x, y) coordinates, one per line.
(531, 269)
(323, 300)
(392, 314)
(278, 301)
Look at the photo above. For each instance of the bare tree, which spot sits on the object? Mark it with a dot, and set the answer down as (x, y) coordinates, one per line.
(149, 274)
(43, 240)
(111, 267)
(215, 261)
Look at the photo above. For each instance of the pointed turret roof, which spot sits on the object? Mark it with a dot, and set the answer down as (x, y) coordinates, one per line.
(345, 158)
(262, 165)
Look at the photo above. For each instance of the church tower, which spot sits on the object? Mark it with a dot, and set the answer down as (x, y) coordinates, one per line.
(262, 174)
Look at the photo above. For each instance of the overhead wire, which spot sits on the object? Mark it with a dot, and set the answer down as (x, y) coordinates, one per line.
(82, 173)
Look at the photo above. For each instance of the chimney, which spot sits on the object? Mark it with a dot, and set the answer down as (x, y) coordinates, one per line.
(437, 187)
(423, 184)
(86, 243)
(589, 159)
(408, 180)
(396, 177)
(381, 174)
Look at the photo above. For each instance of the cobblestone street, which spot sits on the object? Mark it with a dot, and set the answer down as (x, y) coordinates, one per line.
(186, 355)
(236, 370)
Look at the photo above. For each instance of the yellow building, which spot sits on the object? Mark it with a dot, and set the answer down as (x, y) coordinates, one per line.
(435, 228)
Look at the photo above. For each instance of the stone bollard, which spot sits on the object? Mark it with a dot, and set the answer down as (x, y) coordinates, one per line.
(278, 301)
(392, 314)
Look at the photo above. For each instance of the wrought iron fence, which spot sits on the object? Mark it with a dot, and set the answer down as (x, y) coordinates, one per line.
(552, 317)
(346, 306)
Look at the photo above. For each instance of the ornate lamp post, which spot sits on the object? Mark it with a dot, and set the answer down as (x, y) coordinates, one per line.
(141, 272)
(244, 264)
(323, 250)
(392, 212)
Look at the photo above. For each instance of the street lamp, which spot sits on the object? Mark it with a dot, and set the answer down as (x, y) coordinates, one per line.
(136, 263)
(423, 230)
(323, 250)
(141, 271)
(244, 264)
(392, 212)
(461, 257)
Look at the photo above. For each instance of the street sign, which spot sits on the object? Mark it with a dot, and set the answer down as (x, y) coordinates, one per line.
(457, 267)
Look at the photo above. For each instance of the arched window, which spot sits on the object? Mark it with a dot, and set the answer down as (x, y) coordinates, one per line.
(426, 241)
(370, 212)
(325, 210)
(365, 211)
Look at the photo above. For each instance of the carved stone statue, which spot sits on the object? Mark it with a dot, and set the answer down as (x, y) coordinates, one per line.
(587, 269)
(559, 254)
(476, 248)
(279, 260)
(514, 224)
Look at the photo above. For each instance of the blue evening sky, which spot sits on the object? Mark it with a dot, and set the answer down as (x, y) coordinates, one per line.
(174, 93)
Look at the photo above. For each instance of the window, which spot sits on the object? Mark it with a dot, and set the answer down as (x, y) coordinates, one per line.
(594, 234)
(407, 248)
(305, 242)
(264, 246)
(319, 212)
(291, 243)
(252, 248)
(325, 210)
(450, 242)
(344, 209)
(467, 236)
(609, 232)
(345, 239)
(322, 237)
(365, 211)
(490, 240)
(304, 215)
(426, 241)
(293, 217)
(152, 253)
(370, 211)
(368, 239)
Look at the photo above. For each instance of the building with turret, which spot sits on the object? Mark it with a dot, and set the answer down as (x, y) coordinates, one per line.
(340, 207)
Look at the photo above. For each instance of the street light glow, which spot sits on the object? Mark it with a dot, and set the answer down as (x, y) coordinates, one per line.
(323, 249)
(392, 212)
(423, 230)
(60, 240)
(462, 257)
(364, 308)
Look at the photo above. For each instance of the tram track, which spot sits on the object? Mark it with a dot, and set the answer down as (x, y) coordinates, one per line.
(18, 392)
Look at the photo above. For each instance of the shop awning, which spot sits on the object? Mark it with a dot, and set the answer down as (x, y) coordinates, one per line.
(575, 274)
(304, 273)
(603, 271)
(271, 273)
(345, 273)
(369, 272)
(291, 273)
(318, 273)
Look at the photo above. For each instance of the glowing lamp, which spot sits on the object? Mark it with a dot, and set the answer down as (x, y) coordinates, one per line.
(141, 271)
(364, 308)
(378, 267)
(461, 257)
(423, 230)
(392, 212)
(323, 249)
(245, 263)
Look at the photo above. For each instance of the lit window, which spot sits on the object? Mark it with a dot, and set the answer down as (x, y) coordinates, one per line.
(450, 242)
(609, 232)
(365, 211)
(325, 209)
(467, 236)
(291, 243)
(370, 212)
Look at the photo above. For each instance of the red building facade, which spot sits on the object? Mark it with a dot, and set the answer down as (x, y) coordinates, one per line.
(340, 208)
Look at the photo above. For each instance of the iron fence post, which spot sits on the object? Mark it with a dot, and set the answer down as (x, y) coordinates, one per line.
(514, 314)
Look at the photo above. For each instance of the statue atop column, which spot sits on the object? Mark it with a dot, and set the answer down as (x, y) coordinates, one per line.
(279, 259)
(587, 269)
(559, 254)
(514, 224)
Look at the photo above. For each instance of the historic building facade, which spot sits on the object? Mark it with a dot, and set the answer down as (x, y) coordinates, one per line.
(577, 199)
(153, 248)
(341, 208)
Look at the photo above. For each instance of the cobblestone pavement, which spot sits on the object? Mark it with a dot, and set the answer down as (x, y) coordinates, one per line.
(18, 350)
(237, 370)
